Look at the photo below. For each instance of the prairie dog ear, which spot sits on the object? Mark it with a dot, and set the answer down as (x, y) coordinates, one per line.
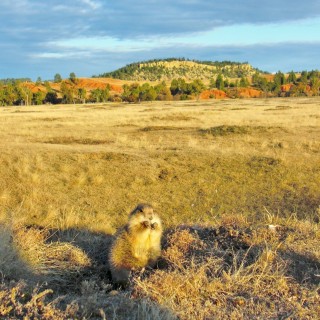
(141, 207)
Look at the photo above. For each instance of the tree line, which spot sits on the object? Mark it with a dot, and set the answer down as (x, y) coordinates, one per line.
(307, 84)
(19, 92)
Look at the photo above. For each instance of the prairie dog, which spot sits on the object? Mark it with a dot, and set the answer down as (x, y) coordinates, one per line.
(137, 244)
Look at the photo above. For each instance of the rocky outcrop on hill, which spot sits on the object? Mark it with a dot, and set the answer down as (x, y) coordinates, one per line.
(166, 70)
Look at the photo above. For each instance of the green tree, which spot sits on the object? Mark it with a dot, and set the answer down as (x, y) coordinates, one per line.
(72, 77)
(304, 77)
(24, 95)
(131, 92)
(178, 86)
(197, 86)
(278, 80)
(244, 82)
(57, 78)
(299, 90)
(220, 82)
(48, 87)
(67, 93)
(314, 74)
(95, 95)
(10, 95)
(292, 78)
(100, 95)
(147, 92)
(163, 92)
(82, 93)
(51, 97)
(212, 83)
(315, 85)
(255, 78)
(38, 97)
(2, 95)
(39, 81)
(260, 82)
(105, 94)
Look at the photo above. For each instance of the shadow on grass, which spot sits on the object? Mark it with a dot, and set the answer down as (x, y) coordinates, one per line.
(302, 268)
(96, 246)
(227, 243)
(232, 245)
(89, 284)
(73, 267)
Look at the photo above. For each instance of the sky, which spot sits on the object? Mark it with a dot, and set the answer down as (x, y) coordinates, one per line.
(40, 38)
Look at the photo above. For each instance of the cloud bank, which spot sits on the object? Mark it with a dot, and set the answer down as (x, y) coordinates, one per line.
(94, 36)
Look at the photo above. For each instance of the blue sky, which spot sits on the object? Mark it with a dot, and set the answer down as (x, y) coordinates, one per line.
(89, 37)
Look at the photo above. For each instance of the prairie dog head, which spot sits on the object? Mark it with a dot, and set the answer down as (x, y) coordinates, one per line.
(144, 216)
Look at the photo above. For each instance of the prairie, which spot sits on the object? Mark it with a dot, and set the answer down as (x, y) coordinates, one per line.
(236, 183)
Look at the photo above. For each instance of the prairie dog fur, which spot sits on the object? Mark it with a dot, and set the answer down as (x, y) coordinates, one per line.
(137, 244)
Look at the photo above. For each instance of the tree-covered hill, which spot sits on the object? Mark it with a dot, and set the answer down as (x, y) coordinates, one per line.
(168, 69)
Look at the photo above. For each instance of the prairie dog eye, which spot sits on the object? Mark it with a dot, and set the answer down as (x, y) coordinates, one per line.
(154, 225)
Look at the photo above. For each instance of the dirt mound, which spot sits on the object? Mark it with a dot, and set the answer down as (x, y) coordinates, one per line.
(213, 94)
(90, 84)
(100, 83)
(249, 93)
(34, 88)
(244, 93)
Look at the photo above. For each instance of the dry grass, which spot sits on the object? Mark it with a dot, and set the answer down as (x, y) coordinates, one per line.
(231, 273)
(236, 183)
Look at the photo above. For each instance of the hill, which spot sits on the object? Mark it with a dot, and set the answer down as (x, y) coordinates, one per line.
(168, 69)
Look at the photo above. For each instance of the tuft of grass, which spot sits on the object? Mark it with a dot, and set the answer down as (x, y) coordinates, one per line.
(160, 128)
(11, 264)
(173, 117)
(263, 163)
(73, 140)
(17, 301)
(55, 260)
(226, 130)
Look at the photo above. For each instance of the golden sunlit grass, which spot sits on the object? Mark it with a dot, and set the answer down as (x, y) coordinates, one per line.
(236, 183)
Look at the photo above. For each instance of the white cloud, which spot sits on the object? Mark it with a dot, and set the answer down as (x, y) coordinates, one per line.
(272, 33)
(40, 32)
(80, 7)
(237, 35)
(61, 55)
(49, 55)
(92, 4)
(19, 7)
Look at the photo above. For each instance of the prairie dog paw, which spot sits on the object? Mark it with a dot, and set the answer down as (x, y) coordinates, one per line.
(146, 224)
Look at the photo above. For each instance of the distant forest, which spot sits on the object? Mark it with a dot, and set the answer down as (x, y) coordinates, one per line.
(226, 80)
(14, 80)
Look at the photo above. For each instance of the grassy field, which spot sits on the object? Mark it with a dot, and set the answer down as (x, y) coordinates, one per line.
(236, 183)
